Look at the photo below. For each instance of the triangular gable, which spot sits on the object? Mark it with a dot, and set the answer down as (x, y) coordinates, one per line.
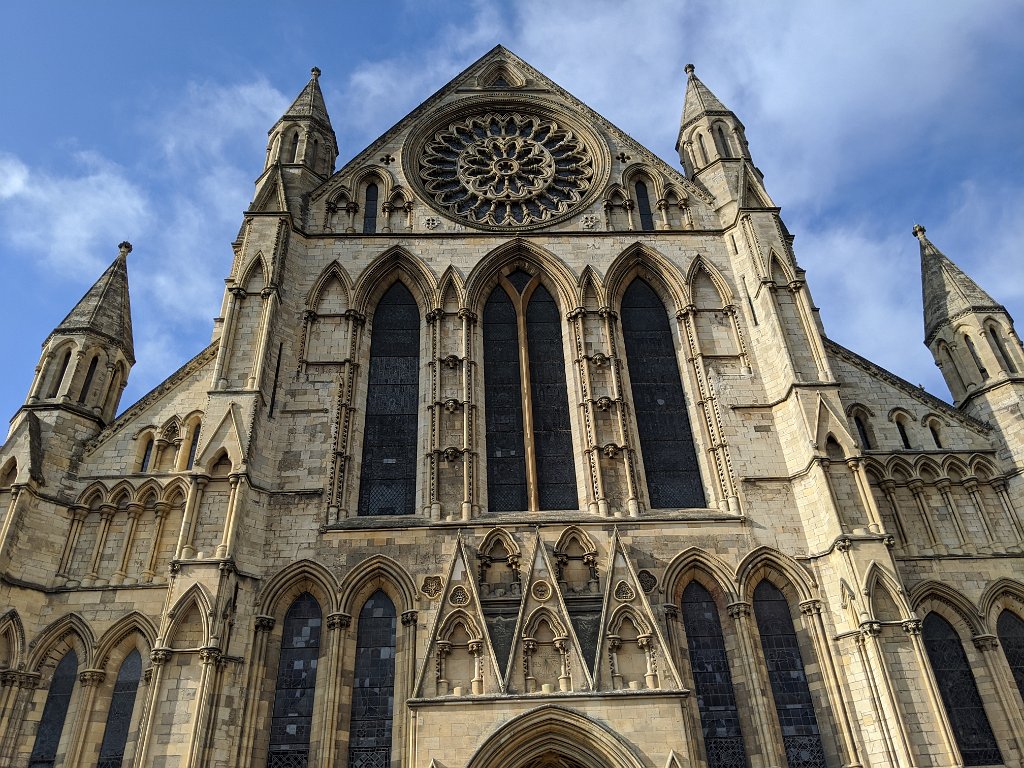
(228, 435)
(270, 193)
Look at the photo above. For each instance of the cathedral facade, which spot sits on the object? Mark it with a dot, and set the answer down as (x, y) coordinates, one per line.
(514, 446)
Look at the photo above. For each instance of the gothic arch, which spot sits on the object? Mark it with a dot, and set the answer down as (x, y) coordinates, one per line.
(695, 562)
(12, 631)
(636, 171)
(982, 467)
(543, 613)
(499, 534)
(626, 611)
(93, 491)
(393, 265)
(291, 581)
(721, 285)
(777, 266)
(575, 533)
(177, 487)
(640, 260)
(132, 623)
(451, 280)
(149, 488)
(197, 597)
(332, 270)
(455, 618)
(590, 281)
(878, 578)
(258, 262)
(123, 490)
(781, 570)
(377, 572)
(552, 728)
(70, 629)
(953, 467)
(936, 596)
(925, 466)
(371, 173)
(898, 466)
(1002, 594)
(534, 259)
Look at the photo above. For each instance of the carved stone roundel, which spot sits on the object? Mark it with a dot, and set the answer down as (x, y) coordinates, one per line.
(506, 169)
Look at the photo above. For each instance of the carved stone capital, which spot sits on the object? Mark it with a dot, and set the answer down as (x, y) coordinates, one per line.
(738, 610)
(91, 677)
(986, 642)
(409, 618)
(671, 611)
(159, 656)
(209, 655)
(265, 623)
(465, 314)
(810, 607)
(434, 315)
(339, 621)
(599, 360)
(871, 629)
(912, 626)
(451, 362)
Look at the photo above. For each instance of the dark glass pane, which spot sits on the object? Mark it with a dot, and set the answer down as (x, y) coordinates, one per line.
(193, 446)
(506, 455)
(387, 485)
(788, 679)
(370, 213)
(670, 461)
(292, 718)
(89, 376)
(55, 712)
(643, 205)
(1011, 637)
(146, 456)
(373, 689)
(552, 436)
(119, 716)
(716, 700)
(959, 693)
(519, 279)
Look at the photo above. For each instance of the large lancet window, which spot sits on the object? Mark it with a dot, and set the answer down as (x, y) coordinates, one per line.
(387, 484)
(370, 211)
(530, 462)
(716, 699)
(793, 703)
(373, 689)
(666, 441)
(119, 715)
(643, 206)
(296, 683)
(55, 712)
(959, 692)
(1010, 628)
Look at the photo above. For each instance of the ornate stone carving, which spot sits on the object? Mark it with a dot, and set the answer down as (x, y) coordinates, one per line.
(264, 623)
(339, 621)
(623, 592)
(541, 590)
(648, 581)
(432, 586)
(459, 596)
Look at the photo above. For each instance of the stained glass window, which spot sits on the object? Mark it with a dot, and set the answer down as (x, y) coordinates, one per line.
(119, 716)
(670, 460)
(373, 689)
(1011, 638)
(643, 206)
(793, 704)
(528, 467)
(55, 712)
(296, 683)
(388, 481)
(959, 692)
(716, 699)
(370, 212)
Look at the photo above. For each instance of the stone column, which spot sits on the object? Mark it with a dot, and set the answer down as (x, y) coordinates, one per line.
(942, 727)
(134, 510)
(160, 515)
(16, 691)
(943, 485)
(185, 550)
(867, 498)
(988, 645)
(89, 680)
(469, 500)
(255, 676)
(894, 732)
(106, 512)
(208, 657)
(599, 360)
(158, 657)
(476, 650)
(269, 296)
(917, 490)
(889, 489)
(999, 484)
(225, 547)
(78, 515)
(971, 486)
(219, 378)
(337, 623)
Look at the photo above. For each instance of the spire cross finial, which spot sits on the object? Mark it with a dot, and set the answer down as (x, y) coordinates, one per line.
(919, 232)
(688, 69)
(315, 72)
(124, 248)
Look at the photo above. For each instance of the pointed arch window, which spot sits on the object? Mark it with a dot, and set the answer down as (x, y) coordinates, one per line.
(293, 150)
(119, 716)
(373, 689)
(663, 425)
(193, 446)
(89, 376)
(1010, 628)
(959, 692)
(55, 384)
(55, 712)
(370, 209)
(530, 462)
(147, 455)
(643, 206)
(902, 429)
(723, 141)
(292, 720)
(933, 427)
(703, 148)
(862, 431)
(788, 678)
(1002, 354)
(974, 356)
(387, 485)
(716, 699)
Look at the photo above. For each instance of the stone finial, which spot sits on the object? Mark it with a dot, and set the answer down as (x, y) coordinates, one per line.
(919, 232)
(688, 69)
(315, 72)
(124, 248)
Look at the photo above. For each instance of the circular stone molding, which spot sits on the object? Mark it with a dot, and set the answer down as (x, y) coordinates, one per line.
(507, 166)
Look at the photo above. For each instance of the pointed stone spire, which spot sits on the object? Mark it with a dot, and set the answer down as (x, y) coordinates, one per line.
(105, 310)
(305, 139)
(310, 103)
(947, 292)
(700, 101)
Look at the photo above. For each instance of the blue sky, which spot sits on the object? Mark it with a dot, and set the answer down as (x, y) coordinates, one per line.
(148, 122)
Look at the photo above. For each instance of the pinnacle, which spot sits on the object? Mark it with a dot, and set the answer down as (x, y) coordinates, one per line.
(699, 99)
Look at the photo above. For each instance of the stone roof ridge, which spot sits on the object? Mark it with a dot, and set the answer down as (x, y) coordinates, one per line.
(310, 102)
(105, 310)
(947, 292)
(699, 100)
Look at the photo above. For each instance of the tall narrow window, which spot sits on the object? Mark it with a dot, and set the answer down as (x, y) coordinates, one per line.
(292, 720)
(974, 356)
(147, 455)
(936, 438)
(902, 429)
(716, 699)
(370, 211)
(723, 142)
(193, 446)
(643, 206)
(55, 384)
(862, 431)
(1010, 629)
(788, 679)
(119, 716)
(1000, 350)
(959, 693)
(55, 712)
(293, 151)
(703, 148)
(89, 376)
(530, 463)
(387, 485)
(314, 155)
(670, 460)
(373, 689)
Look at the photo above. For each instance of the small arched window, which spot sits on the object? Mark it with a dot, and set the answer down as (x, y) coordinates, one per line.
(999, 348)
(1010, 629)
(55, 712)
(373, 687)
(147, 455)
(293, 150)
(933, 427)
(314, 156)
(89, 376)
(788, 678)
(703, 149)
(292, 720)
(723, 142)
(55, 384)
(959, 692)
(901, 427)
(643, 206)
(370, 210)
(716, 699)
(193, 446)
(974, 356)
(119, 715)
(862, 431)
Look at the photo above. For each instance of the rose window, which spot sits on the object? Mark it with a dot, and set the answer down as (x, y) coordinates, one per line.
(506, 169)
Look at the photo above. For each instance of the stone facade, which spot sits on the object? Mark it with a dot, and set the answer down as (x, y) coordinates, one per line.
(806, 561)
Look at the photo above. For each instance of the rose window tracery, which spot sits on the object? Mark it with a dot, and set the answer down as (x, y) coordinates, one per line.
(506, 169)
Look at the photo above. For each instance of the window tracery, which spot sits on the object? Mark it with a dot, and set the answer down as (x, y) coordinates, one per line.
(373, 689)
(291, 722)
